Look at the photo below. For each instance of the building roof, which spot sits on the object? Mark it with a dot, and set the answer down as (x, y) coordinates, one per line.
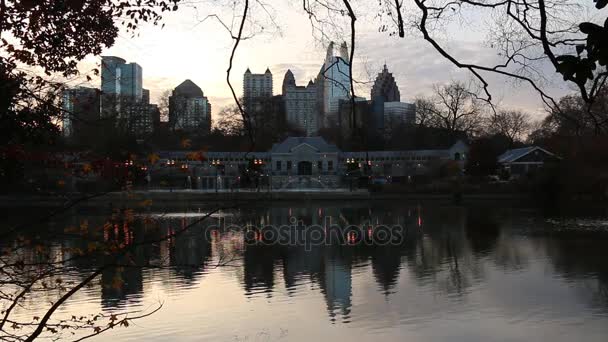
(114, 59)
(188, 89)
(385, 87)
(291, 143)
(512, 155)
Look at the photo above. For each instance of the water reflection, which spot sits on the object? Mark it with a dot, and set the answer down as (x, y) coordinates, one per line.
(474, 259)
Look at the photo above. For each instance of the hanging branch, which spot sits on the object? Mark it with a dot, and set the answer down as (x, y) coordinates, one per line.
(237, 40)
(353, 19)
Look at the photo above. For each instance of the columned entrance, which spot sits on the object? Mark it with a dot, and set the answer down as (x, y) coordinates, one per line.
(304, 168)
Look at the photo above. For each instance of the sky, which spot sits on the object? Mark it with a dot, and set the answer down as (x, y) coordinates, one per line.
(191, 48)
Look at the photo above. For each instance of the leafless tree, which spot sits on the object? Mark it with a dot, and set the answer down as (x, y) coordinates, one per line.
(528, 35)
(230, 121)
(425, 109)
(452, 107)
(513, 124)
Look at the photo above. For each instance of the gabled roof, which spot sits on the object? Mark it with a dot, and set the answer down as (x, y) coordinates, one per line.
(318, 143)
(512, 155)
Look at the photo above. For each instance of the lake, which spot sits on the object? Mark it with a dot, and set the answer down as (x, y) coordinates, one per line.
(493, 272)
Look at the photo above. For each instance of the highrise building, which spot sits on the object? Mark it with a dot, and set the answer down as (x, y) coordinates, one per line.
(350, 121)
(257, 92)
(385, 87)
(388, 112)
(334, 80)
(143, 118)
(145, 98)
(121, 85)
(81, 112)
(300, 105)
(257, 85)
(189, 108)
(397, 114)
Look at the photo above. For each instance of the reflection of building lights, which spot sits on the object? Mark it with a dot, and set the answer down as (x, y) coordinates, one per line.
(351, 237)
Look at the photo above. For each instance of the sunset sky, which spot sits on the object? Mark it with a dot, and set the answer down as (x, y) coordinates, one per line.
(187, 48)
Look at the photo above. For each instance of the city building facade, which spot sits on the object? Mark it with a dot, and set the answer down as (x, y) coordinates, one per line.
(257, 85)
(397, 114)
(121, 84)
(385, 87)
(387, 110)
(144, 118)
(80, 111)
(311, 162)
(334, 83)
(189, 108)
(300, 105)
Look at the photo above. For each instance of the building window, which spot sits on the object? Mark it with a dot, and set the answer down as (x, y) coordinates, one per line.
(330, 165)
(279, 165)
(289, 165)
(320, 165)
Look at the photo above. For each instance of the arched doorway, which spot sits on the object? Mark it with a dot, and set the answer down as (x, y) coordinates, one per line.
(304, 168)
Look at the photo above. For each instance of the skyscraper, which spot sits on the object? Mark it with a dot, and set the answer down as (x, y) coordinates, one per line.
(300, 104)
(145, 98)
(257, 85)
(385, 87)
(388, 112)
(121, 85)
(257, 92)
(81, 112)
(334, 80)
(143, 118)
(397, 114)
(189, 108)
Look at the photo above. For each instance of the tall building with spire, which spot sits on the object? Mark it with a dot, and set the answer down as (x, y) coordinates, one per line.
(385, 87)
(334, 83)
(300, 104)
(388, 112)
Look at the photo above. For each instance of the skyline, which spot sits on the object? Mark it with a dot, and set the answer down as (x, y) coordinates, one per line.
(180, 51)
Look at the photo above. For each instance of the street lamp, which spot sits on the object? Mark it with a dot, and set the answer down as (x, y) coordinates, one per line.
(216, 163)
(351, 164)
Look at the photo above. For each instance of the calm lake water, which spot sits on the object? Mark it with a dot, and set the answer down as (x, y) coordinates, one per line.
(476, 273)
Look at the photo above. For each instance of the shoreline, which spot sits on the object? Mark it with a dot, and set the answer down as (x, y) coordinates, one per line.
(136, 197)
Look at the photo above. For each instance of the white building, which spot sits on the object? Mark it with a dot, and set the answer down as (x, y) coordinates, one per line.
(334, 78)
(301, 105)
(257, 85)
